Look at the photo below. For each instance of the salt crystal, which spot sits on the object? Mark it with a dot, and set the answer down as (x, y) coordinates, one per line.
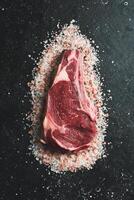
(104, 2)
(125, 3)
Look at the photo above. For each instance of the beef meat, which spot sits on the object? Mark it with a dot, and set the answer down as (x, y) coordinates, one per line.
(70, 120)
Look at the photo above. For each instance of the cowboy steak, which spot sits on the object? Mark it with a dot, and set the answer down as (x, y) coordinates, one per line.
(70, 119)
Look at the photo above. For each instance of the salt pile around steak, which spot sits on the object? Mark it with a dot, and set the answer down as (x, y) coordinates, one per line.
(70, 120)
(69, 117)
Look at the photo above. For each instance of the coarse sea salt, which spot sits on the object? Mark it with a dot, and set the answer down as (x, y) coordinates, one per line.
(70, 37)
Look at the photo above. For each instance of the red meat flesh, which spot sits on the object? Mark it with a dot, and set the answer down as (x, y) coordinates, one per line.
(70, 120)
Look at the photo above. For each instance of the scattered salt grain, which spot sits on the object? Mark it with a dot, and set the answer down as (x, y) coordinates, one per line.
(98, 189)
(125, 3)
(104, 2)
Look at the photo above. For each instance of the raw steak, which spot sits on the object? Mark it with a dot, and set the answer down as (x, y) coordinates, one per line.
(70, 120)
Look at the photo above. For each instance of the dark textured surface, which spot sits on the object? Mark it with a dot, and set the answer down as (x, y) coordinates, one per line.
(23, 27)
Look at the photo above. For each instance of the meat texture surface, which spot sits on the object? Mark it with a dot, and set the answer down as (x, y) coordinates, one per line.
(70, 120)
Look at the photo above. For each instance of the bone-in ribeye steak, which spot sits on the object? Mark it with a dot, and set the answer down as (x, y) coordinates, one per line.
(70, 120)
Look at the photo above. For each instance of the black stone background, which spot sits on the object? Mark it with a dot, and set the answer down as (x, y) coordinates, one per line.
(24, 25)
